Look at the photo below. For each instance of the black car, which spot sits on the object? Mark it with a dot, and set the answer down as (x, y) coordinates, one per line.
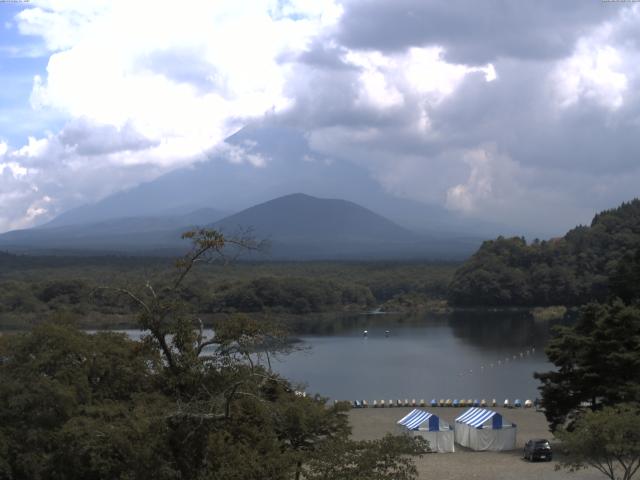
(537, 449)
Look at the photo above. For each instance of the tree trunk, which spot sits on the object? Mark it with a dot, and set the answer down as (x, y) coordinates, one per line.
(298, 469)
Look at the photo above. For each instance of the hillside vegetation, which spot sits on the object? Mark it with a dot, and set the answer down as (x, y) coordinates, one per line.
(34, 289)
(571, 270)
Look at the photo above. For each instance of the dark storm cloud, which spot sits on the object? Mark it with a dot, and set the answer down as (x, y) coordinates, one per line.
(323, 54)
(473, 32)
(325, 97)
(519, 112)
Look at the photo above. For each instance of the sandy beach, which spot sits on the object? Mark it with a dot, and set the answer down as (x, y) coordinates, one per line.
(466, 464)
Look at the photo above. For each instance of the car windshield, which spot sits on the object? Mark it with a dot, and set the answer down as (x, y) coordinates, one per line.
(543, 444)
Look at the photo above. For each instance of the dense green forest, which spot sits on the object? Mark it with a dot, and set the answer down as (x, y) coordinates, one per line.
(571, 270)
(34, 289)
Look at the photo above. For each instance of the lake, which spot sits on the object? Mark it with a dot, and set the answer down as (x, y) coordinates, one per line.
(459, 355)
(471, 355)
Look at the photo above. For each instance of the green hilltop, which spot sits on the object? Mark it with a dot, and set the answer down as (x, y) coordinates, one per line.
(572, 270)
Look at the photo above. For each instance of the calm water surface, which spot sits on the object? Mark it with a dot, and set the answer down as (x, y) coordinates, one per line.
(424, 357)
(460, 355)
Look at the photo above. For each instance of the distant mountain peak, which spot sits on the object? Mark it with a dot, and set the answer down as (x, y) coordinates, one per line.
(311, 219)
(305, 197)
(296, 195)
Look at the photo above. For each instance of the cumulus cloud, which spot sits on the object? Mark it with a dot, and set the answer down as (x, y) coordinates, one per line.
(500, 111)
(87, 138)
(47, 174)
(479, 186)
(150, 86)
(239, 154)
(595, 71)
(15, 190)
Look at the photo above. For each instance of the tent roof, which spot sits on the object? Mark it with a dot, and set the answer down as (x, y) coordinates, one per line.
(476, 417)
(415, 418)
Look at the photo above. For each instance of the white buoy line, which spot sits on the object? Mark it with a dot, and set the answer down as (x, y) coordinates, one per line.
(502, 362)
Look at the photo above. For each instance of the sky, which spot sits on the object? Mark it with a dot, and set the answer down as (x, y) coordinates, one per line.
(525, 113)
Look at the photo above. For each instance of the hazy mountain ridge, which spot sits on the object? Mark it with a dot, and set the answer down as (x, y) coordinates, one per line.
(127, 233)
(302, 226)
(150, 217)
(221, 182)
(297, 226)
(303, 217)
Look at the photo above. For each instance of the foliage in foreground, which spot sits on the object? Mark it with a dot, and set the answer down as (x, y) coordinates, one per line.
(367, 460)
(607, 440)
(597, 362)
(592, 398)
(175, 405)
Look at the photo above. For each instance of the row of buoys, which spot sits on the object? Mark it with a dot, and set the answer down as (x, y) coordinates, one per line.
(517, 403)
(501, 362)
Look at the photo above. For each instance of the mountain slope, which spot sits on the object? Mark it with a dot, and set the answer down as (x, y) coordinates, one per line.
(297, 226)
(122, 234)
(303, 218)
(300, 226)
(228, 182)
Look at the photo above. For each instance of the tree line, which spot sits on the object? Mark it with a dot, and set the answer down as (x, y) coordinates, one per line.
(30, 295)
(572, 270)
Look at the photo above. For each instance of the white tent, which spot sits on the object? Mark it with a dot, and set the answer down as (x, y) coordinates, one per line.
(438, 433)
(481, 429)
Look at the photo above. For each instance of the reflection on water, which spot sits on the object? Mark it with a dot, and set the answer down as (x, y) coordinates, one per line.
(462, 355)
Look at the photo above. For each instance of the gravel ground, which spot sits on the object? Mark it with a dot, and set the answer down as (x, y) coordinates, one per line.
(466, 464)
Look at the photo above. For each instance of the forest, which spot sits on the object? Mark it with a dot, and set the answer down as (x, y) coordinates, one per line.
(34, 289)
(571, 270)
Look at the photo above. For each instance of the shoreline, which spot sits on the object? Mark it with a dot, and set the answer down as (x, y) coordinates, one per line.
(125, 322)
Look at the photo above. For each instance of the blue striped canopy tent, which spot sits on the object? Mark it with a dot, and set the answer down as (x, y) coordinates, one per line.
(417, 418)
(482, 429)
(476, 417)
(427, 425)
